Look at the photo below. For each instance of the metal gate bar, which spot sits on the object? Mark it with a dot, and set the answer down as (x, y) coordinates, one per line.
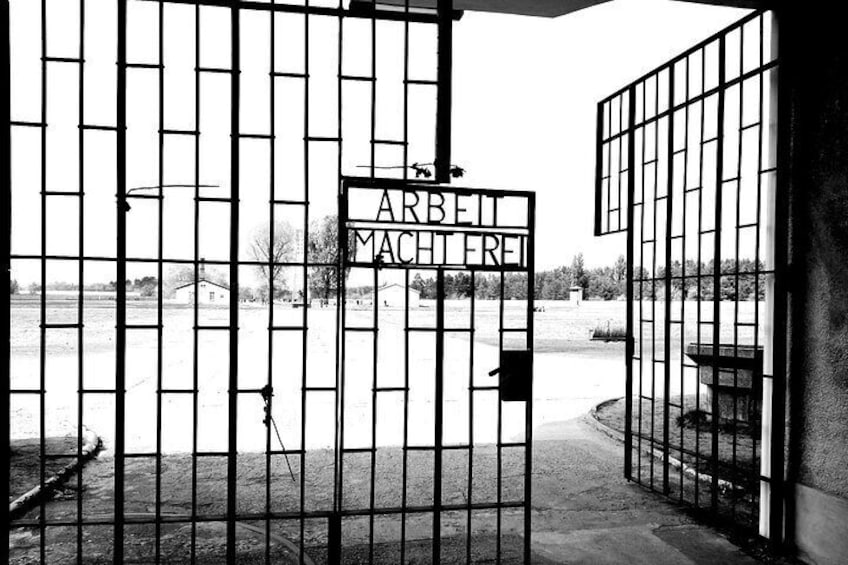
(691, 158)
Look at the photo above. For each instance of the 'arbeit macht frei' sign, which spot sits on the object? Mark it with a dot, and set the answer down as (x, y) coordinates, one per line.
(410, 225)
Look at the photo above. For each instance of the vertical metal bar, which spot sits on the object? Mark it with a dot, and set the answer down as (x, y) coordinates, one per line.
(406, 90)
(159, 274)
(717, 270)
(669, 210)
(232, 450)
(305, 273)
(499, 453)
(599, 167)
(781, 287)
(43, 275)
(699, 271)
(195, 352)
(471, 339)
(6, 206)
(373, 452)
(80, 271)
(629, 343)
(736, 260)
(334, 548)
(757, 465)
(619, 142)
(439, 408)
(445, 86)
(684, 285)
(121, 275)
(642, 274)
(654, 277)
(405, 454)
(335, 523)
(528, 405)
(269, 381)
(373, 146)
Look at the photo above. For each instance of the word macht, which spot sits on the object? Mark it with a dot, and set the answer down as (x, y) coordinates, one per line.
(377, 246)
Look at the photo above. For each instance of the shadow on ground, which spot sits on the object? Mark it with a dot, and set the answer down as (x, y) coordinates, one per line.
(583, 511)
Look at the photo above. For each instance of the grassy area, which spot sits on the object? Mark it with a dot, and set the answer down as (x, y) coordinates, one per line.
(738, 457)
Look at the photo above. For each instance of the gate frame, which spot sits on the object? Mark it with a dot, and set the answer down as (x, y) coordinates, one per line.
(375, 183)
(772, 459)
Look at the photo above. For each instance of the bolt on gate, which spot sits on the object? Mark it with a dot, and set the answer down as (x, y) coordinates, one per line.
(688, 167)
(174, 189)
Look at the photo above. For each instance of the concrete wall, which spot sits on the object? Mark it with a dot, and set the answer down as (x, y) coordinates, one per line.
(814, 60)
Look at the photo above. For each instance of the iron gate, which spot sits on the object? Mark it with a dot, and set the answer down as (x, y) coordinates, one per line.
(687, 167)
(186, 296)
(174, 174)
(449, 306)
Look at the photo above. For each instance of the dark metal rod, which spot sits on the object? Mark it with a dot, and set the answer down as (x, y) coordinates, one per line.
(439, 417)
(6, 212)
(444, 90)
(232, 452)
(121, 275)
(528, 405)
(629, 343)
(80, 271)
(159, 276)
(669, 212)
(717, 272)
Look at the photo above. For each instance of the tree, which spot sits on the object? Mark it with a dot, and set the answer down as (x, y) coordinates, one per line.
(324, 249)
(270, 254)
(620, 269)
(13, 286)
(578, 271)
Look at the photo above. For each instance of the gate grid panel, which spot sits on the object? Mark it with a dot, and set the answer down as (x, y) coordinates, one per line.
(454, 423)
(196, 170)
(687, 168)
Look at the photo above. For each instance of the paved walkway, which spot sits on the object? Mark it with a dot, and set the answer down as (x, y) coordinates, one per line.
(584, 512)
(587, 513)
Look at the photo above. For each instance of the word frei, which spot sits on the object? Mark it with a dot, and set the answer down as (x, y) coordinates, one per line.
(434, 228)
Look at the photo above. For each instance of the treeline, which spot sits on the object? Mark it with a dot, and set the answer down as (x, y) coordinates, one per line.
(608, 283)
(146, 286)
(697, 282)
(601, 283)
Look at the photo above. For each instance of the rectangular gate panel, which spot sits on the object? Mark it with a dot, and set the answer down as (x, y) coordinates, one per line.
(686, 167)
(175, 228)
(438, 288)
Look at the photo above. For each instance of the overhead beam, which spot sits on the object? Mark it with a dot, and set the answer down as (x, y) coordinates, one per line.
(550, 8)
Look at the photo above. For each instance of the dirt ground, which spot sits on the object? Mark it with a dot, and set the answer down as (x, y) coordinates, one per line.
(583, 512)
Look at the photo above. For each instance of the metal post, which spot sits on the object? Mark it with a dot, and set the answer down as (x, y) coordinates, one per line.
(629, 344)
(445, 86)
(232, 450)
(439, 400)
(6, 204)
(121, 276)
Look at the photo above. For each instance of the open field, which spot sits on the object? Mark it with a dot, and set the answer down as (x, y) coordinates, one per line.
(564, 356)
(561, 329)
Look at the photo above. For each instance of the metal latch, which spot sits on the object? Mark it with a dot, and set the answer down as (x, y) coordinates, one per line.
(515, 375)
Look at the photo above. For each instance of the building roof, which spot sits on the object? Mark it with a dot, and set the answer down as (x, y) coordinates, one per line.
(200, 280)
(551, 8)
(400, 286)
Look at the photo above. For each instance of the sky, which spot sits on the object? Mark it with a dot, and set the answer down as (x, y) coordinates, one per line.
(525, 94)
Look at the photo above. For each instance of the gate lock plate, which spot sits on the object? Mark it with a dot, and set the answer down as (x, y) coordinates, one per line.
(515, 375)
